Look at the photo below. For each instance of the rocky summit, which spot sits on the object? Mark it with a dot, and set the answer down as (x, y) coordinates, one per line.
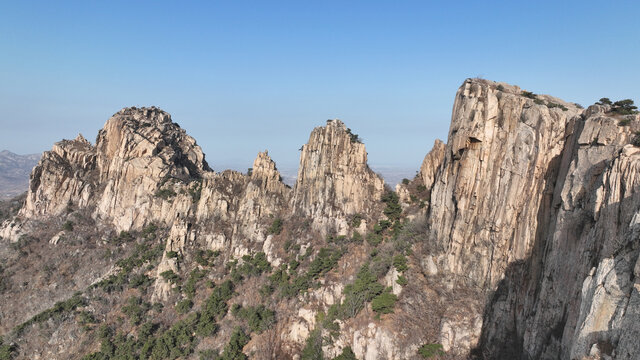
(517, 239)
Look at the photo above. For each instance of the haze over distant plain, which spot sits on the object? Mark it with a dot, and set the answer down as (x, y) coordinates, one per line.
(242, 77)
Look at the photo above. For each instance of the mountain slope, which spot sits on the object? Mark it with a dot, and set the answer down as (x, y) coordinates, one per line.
(14, 173)
(516, 239)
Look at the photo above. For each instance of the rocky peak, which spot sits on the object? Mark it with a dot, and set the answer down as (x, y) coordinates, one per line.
(265, 172)
(136, 152)
(144, 135)
(73, 148)
(572, 295)
(63, 176)
(431, 163)
(523, 242)
(334, 180)
(503, 143)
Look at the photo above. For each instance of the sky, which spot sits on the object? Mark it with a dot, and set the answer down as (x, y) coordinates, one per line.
(245, 76)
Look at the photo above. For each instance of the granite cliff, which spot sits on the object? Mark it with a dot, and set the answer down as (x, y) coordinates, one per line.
(516, 239)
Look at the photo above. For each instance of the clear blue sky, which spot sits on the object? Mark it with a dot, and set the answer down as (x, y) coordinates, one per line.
(245, 76)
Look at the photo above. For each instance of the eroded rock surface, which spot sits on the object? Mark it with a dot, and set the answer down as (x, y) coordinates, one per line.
(334, 180)
(520, 234)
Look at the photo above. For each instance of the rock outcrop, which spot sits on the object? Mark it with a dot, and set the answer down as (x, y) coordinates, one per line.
(137, 153)
(431, 164)
(518, 238)
(334, 180)
(501, 145)
(576, 296)
(64, 177)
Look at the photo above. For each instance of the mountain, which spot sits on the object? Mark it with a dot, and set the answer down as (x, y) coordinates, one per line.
(516, 239)
(14, 173)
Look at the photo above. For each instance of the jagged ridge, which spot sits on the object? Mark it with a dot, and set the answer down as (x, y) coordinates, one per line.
(522, 241)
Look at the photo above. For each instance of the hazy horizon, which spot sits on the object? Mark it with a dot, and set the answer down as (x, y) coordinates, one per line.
(247, 76)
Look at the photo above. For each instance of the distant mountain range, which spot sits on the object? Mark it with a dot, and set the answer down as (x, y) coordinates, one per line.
(14, 172)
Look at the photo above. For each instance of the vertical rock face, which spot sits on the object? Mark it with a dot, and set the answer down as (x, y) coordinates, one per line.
(577, 295)
(334, 180)
(265, 198)
(536, 203)
(525, 243)
(431, 163)
(143, 163)
(137, 151)
(501, 146)
(65, 176)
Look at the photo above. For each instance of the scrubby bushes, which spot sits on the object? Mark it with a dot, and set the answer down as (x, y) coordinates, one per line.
(251, 266)
(356, 220)
(140, 281)
(428, 351)
(67, 226)
(400, 263)
(190, 287)
(259, 318)
(165, 194)
(135, 310)
(354, 137)
(538, 101)
(177, 341)
(551, 105)
(364, 289)
(183, 306)
(214, 307)
(6, 350)
(620, 107)
(313, 346)
(347, 354)
(196, 191)
(142, 254)
(635, 141)
(86, 319)
(206, 258)
(276, 227)
(384, 302)
(291, 285)
(170, 276)
(624, 122)
(255, 265)
(624, 107)
(374, 239)
(402, 281)
(59, 309)
(344, 239)
(393, 210)
(233, 350)
(326, 260)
